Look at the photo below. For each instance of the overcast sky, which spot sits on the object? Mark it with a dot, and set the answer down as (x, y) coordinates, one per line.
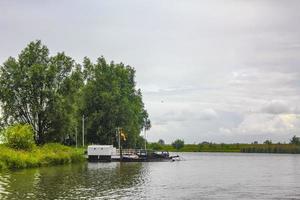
(220, 71)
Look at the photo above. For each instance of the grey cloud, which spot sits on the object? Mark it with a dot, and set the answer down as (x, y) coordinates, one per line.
(207, 114)
(276, 107)
(205, 67)
(186, 115)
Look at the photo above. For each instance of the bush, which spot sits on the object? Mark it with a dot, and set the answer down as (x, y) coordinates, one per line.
(2, 165)
(53, 154)
(47, 155)
(178, 144)
(268, 142)
(295, 140)
(19, 137)
(155, 146)
(15, 159)
(161, 142)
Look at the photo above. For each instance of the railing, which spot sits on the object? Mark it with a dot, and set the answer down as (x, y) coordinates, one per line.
(132, 151)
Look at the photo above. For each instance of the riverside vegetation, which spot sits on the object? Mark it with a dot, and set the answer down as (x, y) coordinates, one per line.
(53, 94)
(267, 147)
(44, 99)
(20, 151)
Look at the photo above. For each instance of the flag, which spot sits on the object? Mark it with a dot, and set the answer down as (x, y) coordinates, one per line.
(123, 136)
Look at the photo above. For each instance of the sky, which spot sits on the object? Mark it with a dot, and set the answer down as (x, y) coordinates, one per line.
(209, 70)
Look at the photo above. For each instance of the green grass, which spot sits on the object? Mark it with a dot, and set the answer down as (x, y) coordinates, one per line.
(272, 148)
(245, 148)
(47, 155)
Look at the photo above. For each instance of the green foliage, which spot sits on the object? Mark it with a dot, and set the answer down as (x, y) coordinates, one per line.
(295, 140)
(19, 136)
(140, 142)
(245, 148)
(51, 93)
(53, 154)
(161, 142)
(271, 148)
(211, 147)
(2, 165)
(39, 90)
(50, 154)
(155, 146)
(268, 142)
(110, 100)
(178, 144)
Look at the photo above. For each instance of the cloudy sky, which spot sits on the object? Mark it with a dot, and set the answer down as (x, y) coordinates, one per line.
(221, 71)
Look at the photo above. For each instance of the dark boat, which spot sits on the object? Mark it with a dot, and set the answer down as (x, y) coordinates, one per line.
(146, 156)
(107, 153)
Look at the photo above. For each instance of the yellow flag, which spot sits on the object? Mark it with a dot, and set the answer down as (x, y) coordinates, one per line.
(123, 136)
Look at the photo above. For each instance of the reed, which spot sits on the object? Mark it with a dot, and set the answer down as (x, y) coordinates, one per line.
(244, 148)
(49, 154)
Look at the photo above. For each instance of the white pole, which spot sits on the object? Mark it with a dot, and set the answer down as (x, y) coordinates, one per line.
(145, 138)
(76, 136)
(83, 130)
(120, 148)
(119, 139)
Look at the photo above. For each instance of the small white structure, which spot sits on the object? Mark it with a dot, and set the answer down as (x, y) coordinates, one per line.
(100, 152)
(114, 151)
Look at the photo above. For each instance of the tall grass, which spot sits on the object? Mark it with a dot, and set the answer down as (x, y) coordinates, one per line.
(272, 148)
(49, 154)
(244, 148)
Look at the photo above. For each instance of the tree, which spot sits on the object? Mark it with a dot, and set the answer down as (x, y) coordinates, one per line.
(295, 140)
(155, 146)
(161, 142)
(51, 93)
(40, 90)
(268, 142)
(178, 144)
(111, 101)
(140, 142)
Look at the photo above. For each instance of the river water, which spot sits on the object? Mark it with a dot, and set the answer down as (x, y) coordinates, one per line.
(199, 176)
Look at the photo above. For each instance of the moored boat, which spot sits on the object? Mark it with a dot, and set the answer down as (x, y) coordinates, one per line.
(107, 153)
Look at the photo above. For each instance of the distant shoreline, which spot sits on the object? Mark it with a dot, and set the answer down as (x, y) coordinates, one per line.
(231, 148)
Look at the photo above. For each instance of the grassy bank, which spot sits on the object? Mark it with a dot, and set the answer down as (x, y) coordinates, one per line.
(245, 148)
(47, 155)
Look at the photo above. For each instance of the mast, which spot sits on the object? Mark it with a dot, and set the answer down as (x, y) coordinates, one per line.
(120, 148)
(145, 138)
(83, 130)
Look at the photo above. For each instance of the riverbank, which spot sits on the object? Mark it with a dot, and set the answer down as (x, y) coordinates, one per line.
(243, 148)
(46, 155)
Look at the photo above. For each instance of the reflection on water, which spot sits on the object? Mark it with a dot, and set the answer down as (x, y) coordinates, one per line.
(200, 176)
(72, 181)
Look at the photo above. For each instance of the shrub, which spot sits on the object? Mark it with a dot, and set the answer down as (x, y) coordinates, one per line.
(2, 165)
(49, 154)
(161, 142)
(53, 154)
(268, 142)
(155, 146)
(295, 140)
(19, 136)
(178, 144)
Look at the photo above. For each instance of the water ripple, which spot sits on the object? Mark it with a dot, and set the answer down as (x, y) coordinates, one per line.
(200, 176)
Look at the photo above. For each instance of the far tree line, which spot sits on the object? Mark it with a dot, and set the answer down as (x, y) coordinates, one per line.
(179, 143)
(56, 95)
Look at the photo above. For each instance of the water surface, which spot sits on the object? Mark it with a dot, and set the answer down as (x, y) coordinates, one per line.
(200, 176)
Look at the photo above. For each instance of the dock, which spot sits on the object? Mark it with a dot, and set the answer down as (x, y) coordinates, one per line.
(107, 153)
